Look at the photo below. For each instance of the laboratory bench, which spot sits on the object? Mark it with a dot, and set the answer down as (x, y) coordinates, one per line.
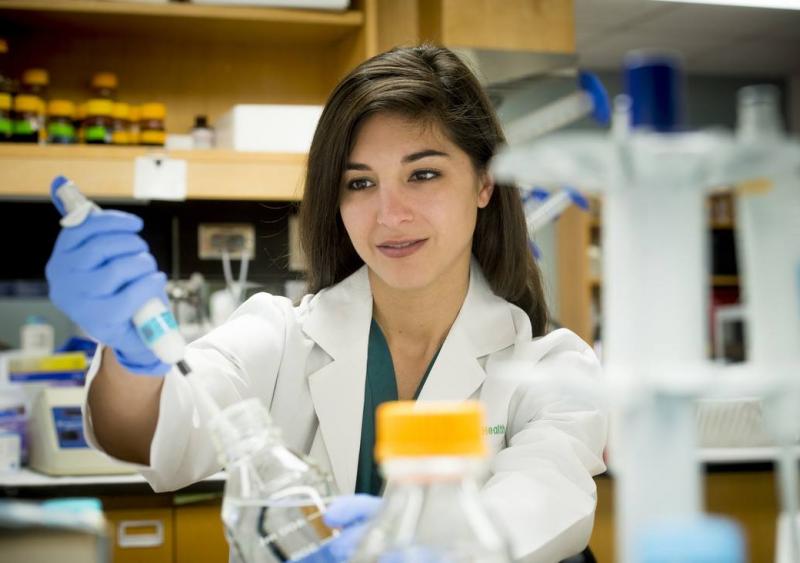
(178, 527)
(184, 525)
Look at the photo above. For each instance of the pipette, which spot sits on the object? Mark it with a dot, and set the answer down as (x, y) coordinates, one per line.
(154, 322)
(591, 99)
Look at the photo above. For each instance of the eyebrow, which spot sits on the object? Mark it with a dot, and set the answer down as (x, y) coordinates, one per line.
(406, 159)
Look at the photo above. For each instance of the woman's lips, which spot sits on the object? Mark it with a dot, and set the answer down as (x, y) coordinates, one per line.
(400, 249)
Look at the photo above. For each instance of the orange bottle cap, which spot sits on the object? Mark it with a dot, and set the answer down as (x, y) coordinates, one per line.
(429, 429)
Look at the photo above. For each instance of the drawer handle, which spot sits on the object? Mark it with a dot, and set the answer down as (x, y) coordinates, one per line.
(127, 536)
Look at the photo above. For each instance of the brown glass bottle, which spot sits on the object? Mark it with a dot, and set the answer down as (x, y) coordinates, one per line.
(98, 125)
(151, 124)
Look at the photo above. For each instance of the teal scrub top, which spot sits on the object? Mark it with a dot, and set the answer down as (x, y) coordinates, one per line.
(380, 386)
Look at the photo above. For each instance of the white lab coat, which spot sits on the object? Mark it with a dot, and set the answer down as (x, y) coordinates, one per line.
(308, 364)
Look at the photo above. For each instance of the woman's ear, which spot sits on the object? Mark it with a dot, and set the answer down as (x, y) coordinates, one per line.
(486, 189)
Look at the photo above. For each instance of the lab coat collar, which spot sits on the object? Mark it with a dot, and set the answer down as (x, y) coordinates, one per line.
(339, 321)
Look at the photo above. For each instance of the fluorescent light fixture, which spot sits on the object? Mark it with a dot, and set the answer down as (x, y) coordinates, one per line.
(775, 4)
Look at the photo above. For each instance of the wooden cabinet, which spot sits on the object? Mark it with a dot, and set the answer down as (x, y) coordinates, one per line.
(167, 528)
(203, 59)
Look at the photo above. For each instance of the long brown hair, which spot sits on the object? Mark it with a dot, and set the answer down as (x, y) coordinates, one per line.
(428, 83)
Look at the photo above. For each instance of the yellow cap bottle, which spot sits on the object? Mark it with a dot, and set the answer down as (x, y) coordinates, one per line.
(151, 124)
(104, 85)
(429, 429)
(120, 131)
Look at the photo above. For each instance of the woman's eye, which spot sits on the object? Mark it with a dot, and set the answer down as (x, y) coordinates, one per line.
(359, 184)
(422, 175)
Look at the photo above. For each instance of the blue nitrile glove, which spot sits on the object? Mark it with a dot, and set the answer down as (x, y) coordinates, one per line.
(100, 273)
(351, 514)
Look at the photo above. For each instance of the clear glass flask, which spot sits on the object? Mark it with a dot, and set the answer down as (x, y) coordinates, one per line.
(431, 454)
(274, 498)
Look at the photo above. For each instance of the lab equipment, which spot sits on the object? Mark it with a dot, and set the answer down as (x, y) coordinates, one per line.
(543, 207)
(99, 123)
(202, 133)
(61, 368)
(36, 336)
(60, 124)
(27, 124)
(350, 514)
(66, 530)
(590, 99)
(431, 454)
(6, 124)
(120, 128)
(152, 128)
(654, 176)
(154, 323)
(274, 498)
(768, 231)
(13, 427)
(269, 127)
(104, 85)
(57, 443)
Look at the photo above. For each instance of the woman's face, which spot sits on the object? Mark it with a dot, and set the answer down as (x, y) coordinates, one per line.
(409, 201)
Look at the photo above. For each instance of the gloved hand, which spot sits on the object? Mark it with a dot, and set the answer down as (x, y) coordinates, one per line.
(351, 514)
(100, 273)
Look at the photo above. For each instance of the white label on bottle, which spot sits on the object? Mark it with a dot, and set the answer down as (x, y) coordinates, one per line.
(159, 177)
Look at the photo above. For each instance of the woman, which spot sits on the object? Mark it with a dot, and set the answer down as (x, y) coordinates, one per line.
(421, 283)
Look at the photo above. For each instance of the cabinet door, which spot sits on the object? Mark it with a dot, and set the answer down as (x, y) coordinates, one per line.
(141, 535)
(199, 534)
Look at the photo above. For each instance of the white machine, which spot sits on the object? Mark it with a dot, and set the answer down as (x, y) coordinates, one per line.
(57, 443)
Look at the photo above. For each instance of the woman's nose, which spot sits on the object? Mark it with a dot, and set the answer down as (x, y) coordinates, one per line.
(393, 205)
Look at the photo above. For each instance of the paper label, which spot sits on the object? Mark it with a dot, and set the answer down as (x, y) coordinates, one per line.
(159, 177)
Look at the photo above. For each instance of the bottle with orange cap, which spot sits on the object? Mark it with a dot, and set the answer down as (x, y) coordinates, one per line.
(6, 124)
(35, 83)
(432, 454)
(60, 122)
(27, 124)
(274, 498)
(104, 85)
(152, 131)
(6, 84)
(99, 122)
(121, 124)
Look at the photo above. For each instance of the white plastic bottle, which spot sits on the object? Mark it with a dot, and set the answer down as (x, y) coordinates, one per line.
(274, 498)
(431, 454)
(36, 336)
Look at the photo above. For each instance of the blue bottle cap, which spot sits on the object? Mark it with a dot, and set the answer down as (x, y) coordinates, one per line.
(703, 539)
(654, 83)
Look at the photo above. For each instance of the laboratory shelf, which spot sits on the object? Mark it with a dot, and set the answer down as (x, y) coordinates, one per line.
(184, 20)
(108, 172)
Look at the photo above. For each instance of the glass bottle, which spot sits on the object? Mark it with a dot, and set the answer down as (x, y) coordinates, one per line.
(274, 498)
(202, 133)
(6, 123)
(26, 128)
(431, 454)
(61, 122)
(104, 85)
(36, 82)
(133, 125)
(98, 124)
(120, 132)
(151, 124)
(6, 84)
